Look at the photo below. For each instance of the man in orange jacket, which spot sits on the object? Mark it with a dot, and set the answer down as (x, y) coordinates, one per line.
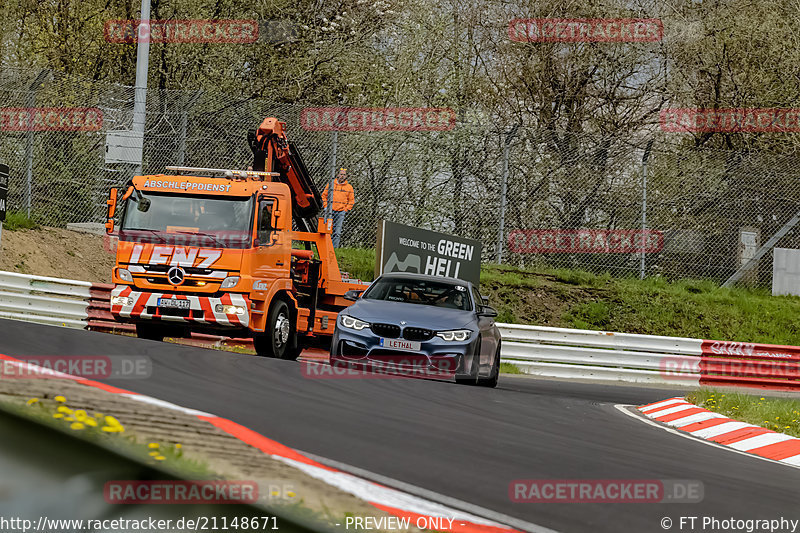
(343, 200)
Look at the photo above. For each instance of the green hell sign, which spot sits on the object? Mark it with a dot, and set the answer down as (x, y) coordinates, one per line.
(420, 251)
(3, 191)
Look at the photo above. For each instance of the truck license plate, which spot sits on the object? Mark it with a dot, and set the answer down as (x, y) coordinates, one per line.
(173, 303)
(400, 344)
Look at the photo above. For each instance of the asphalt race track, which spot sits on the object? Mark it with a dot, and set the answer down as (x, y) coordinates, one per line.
(465, 442)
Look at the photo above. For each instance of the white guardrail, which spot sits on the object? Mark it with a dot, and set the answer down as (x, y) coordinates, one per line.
(52, 301)
(601, 355)
(537, 350)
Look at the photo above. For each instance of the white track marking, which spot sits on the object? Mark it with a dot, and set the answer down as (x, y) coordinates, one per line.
(632, 412)
(692, 419)
(760, 440)
(670, 410)
(659, 405)
(715, 431)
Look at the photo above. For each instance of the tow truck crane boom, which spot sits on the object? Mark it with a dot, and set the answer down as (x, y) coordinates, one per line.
(273, 152)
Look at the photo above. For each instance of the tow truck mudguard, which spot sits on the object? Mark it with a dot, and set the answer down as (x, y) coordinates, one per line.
(131, 304)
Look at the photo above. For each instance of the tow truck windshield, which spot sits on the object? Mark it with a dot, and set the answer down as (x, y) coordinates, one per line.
(207, 221)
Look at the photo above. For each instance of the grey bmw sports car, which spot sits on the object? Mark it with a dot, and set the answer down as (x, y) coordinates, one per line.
(427, 325)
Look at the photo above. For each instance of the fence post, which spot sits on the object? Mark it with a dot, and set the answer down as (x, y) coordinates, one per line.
(645, 157)
(504, 192)
(140, 90)
(331, 184)
(30, 103)
(184, 118)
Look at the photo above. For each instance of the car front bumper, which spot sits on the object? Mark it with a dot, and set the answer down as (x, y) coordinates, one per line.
(436, 356)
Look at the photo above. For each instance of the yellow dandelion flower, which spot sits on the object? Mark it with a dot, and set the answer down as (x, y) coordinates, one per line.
(32, 401)
(159, 457)
(64, 409)
(111, 421)
(761, 398)
(114, 429)
(76, 425)
(154, 454)
(60, 399)
(90, 422)
(69, 419)
(291, 494)
(178, 446)
(80, 415)
(58, 415)
(153, 445)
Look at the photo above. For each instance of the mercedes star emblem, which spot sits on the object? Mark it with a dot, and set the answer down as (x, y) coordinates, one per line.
(176, 275)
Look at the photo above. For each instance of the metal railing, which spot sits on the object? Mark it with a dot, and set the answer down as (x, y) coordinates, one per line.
(537, 350)
(601, 355)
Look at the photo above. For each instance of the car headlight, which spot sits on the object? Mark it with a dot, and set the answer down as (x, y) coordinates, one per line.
(229, 282)
(125, 275)
(456, 335)
(350, 322)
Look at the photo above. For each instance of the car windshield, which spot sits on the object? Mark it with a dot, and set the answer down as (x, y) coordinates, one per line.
(189, 220)
(420, 291)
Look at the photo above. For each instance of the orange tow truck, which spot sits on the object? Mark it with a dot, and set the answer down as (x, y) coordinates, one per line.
(239, 253)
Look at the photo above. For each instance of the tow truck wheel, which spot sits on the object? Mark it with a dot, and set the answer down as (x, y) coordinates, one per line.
(151, 332)
(276, 341)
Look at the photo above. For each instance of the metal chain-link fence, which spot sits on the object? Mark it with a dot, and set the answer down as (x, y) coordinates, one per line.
(532, 196)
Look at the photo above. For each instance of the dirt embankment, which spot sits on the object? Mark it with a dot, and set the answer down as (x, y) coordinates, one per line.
(57, 253)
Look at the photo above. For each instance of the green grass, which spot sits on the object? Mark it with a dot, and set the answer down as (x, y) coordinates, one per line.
(508, 368)
(358, 262)
(777, 414)
(17, 221)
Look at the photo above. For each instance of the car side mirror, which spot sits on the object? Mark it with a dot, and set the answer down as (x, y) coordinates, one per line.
(487, 311)
(352, 295)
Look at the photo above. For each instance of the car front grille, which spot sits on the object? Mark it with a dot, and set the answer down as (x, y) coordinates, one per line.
(417, 334)
(389, 331)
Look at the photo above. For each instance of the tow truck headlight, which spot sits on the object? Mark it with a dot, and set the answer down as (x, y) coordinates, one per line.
(350, 322)
(229, 282)
(121, 300)
(125, 275)
(229, 309)
(454, 335)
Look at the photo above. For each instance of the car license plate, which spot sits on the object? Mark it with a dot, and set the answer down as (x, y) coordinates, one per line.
(173, 303)
(400, 344)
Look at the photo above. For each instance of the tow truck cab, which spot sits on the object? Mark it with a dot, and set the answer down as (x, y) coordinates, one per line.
(215, 255)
